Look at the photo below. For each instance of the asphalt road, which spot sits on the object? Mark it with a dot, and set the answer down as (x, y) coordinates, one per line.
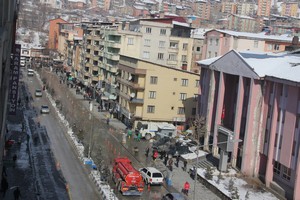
(78, 182)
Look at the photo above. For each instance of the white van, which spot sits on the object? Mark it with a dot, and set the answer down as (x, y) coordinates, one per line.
(30, 72)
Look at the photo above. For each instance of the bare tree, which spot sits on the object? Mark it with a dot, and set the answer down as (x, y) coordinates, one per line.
(201, 130)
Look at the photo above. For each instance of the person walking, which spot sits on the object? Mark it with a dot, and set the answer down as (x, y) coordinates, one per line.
(166, 159)
(139, 135)
(14, 159)
(4, 186)
(107, 120)
(177, 161)
(17, 193)
(170, 164)
(155, 155)
(147, 152)
(129, 133)
(184, 165)
(186, 188)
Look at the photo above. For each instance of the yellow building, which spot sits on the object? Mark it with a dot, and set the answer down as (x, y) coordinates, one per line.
(289, 9)
(152, 92)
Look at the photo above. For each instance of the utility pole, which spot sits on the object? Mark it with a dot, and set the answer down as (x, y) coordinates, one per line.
(92, 128)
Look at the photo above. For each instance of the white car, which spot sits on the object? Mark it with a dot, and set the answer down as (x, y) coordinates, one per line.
(152, 176)
(45, 109)
(38, 93)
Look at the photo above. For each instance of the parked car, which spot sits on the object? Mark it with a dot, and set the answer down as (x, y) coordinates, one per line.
(163, 144)
(173, 196)
(45, 109)
(152, 176)
(38, 93)
(178, 149)
(30, 72)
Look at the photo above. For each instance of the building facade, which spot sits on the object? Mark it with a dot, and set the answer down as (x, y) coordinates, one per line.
(264, 8)
(256, 96)
(54, 33)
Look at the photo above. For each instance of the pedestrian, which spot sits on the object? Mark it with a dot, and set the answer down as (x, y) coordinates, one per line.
(162, 154)
(135, 136)
(15, 159)
(4, 171)
(17, 193)
(4, 186)
(166, 159)
(107, 121)
(139, 135)
(186, 188)
(170, 164)
(177, 161)
(155, 155)
(129, 133)
(184, 165)
(147, 152)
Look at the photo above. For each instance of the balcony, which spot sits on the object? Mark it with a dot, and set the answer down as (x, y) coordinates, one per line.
(129, 83)
(95, 69)
(95, 78)
(130, 99)
(112, 56)
(87, 55)
(86, 74)
(89, 46)
(114, 44)
(88, 64)
(88, 37)
(172, 62)
(173, 49)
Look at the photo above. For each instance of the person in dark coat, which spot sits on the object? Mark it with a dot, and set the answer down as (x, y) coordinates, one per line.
(166, 159)
(17, 193)
(147, 152)
(177, 161)
(184, 165)
(4, 186)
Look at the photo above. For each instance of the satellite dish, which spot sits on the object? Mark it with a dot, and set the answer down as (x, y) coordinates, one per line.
(132, 95)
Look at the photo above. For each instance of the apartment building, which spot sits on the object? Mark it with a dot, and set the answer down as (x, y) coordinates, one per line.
(246, 8)
(229, 7)
(151, 92)
(202, 9)
(243, 23)
(54, 32)
(255, 97)
(100, 56)
(264, 8)
(219, 42)
(289, 9)
(165, 41)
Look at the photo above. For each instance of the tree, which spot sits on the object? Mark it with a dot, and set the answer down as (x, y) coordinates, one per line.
(201, 129)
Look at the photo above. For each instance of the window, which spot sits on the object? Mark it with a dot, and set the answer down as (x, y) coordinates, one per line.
(148, 30)
(180, 110)
(196, 97)
(172, 57)
(150, 109)
(174, 45)
(161, 44)
(198, 49)
(147, 42)
(184, 46)
(183, 58)
(163, 31)
(153, 80)
(269, 47)
(193, 111)
(152, 94)
(286, 173)
(209, 54)
(276, 168)
(276, 47)
(130, 41)
(183, 96)
(197, 83)
(217, 42)
(210, 41)
(146, 54)
(160, 56)
(216, 54)
(255, 44)
(184, 82)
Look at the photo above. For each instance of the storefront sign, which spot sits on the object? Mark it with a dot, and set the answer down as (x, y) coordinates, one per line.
(14, 79)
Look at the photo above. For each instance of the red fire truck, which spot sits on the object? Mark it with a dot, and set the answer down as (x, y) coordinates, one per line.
(129, 181)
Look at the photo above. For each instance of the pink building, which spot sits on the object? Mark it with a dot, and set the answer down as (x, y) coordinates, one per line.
(257, 97)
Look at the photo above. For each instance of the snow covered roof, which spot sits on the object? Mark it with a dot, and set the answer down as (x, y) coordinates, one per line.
(199, 33)
(79, 1)
(180, 23)
(282, 66)
(261, 35)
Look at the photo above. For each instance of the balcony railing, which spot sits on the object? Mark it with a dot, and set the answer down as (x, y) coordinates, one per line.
(130, 83)
(112, 56)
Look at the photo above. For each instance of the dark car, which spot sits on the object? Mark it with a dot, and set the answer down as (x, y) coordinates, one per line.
(178, 149)
(173, 196)
(163, 144)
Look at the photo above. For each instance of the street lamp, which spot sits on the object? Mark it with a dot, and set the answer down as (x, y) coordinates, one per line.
(228, 142)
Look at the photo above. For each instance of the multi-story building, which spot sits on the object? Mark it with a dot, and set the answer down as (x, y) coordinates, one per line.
(219, 42)
(229, 7)
(100, 56)
(243, 24)
(164, 41)
(255, 97)
(54, 32)
(8, 19)
(264, 8)
(289, 9)
(202, 9)
(151, 92)
(52, 3)
(246, 8)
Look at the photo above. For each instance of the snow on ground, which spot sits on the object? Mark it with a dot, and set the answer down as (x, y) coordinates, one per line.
(242, 186)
